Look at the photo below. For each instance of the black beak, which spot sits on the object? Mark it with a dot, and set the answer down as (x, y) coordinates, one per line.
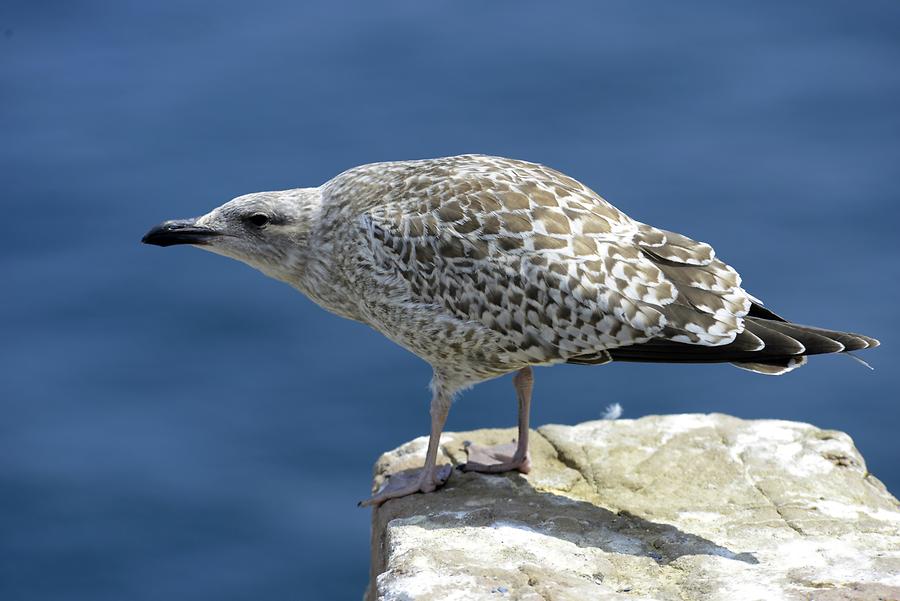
(179, 231)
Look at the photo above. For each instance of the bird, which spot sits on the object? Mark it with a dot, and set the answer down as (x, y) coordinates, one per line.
(485, 266)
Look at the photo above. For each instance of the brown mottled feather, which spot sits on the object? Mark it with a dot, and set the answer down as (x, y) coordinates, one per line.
(551, 272)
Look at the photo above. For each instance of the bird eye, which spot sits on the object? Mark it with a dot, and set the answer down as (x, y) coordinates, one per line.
(258, 219)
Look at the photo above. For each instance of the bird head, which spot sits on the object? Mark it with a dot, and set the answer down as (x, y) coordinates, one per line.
(266, 230)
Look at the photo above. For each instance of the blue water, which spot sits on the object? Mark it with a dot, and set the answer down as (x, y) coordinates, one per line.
(177, 426)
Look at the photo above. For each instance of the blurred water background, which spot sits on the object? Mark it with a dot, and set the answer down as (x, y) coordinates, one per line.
(177, 426)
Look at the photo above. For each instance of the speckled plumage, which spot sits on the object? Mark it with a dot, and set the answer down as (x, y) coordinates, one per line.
(481, 265)
(484, 266)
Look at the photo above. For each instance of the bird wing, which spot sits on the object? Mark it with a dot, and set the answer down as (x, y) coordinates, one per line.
(546, 262)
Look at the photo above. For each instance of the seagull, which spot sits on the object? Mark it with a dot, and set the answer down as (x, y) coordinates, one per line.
(485, 266)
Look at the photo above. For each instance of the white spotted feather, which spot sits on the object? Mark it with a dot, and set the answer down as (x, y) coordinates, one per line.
(542, 262)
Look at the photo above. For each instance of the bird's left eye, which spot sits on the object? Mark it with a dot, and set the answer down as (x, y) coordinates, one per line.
(258, 219)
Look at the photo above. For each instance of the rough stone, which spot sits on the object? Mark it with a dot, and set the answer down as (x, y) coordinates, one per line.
(680, 507)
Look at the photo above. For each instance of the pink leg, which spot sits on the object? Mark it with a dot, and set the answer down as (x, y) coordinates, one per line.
(507, 457)
(431, 476)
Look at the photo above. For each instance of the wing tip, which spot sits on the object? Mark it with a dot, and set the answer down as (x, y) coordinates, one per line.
(872, 342)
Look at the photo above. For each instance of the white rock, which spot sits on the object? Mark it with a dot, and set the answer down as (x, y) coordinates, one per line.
(683, 507)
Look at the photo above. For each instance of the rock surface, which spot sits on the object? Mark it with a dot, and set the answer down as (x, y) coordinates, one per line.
(679, 507)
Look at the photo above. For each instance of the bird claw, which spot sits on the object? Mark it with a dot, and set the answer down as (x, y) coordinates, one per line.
(409, 482)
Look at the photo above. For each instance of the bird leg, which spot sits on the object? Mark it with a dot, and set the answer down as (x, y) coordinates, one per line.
(507, 457)
(429, 478)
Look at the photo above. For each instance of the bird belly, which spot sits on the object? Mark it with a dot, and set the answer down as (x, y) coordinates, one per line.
(464, 351)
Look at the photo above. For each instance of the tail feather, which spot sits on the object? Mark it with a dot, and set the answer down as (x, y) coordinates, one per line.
(772, 368)
(768, 345)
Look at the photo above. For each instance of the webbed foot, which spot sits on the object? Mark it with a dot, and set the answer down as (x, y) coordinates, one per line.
(496, 459)
(409, 482)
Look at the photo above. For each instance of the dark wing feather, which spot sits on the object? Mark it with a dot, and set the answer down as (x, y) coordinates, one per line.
(780, 341)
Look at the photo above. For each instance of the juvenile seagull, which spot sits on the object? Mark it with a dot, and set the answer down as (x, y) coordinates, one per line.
(484, 266)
